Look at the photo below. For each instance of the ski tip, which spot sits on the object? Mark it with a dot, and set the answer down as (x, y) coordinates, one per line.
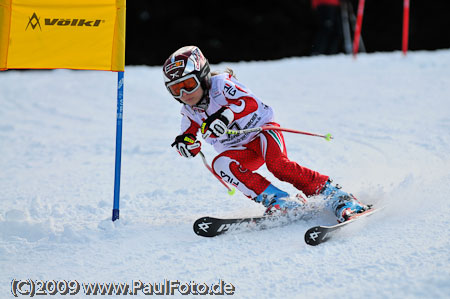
(201, 226)
(314, 236)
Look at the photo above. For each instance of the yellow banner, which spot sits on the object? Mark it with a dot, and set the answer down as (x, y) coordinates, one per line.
(69, 34)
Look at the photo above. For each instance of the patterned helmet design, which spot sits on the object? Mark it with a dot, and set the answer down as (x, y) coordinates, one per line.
(185, 61)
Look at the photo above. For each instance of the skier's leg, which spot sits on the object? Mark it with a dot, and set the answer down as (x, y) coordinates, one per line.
(273, 149)
(343, 204)
(238, 167)
(310, 182)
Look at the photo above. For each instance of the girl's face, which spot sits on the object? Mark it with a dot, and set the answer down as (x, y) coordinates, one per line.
(192, 99)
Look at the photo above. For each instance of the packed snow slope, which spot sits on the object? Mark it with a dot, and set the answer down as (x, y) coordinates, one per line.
(389, 114)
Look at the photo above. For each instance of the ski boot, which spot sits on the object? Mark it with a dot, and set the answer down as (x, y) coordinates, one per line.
(276, 201)
(343, 204)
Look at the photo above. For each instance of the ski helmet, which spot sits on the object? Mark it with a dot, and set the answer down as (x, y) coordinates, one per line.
(190, 63)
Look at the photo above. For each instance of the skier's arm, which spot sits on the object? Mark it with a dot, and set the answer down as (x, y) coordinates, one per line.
(239, 103)
(186, 143)
(217, 124)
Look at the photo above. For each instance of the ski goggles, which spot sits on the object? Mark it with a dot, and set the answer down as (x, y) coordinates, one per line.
(187, 84)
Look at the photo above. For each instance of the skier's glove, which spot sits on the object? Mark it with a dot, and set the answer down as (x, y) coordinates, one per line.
(187, 145)
(217, 124)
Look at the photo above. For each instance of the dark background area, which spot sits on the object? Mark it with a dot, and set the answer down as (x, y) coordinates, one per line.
(265, 30)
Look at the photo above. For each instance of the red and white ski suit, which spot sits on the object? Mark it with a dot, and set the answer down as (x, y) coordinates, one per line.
(241, 155)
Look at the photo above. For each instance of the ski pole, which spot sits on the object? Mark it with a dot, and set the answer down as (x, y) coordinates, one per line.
(327, 137)
(232, 190)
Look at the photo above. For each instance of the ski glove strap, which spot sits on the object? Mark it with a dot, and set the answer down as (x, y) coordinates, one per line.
(187, 145)
(217, 124)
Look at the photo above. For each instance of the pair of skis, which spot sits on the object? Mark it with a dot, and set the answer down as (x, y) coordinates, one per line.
(212, 227)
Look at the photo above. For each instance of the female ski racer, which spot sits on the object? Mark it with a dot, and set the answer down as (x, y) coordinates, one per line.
(212, 103)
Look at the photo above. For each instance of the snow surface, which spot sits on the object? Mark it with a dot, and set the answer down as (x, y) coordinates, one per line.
(390, 116)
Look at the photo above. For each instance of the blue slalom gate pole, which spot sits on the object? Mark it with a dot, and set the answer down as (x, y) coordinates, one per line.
(115, 212)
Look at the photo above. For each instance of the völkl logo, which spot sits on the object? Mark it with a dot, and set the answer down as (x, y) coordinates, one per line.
(34, 21)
